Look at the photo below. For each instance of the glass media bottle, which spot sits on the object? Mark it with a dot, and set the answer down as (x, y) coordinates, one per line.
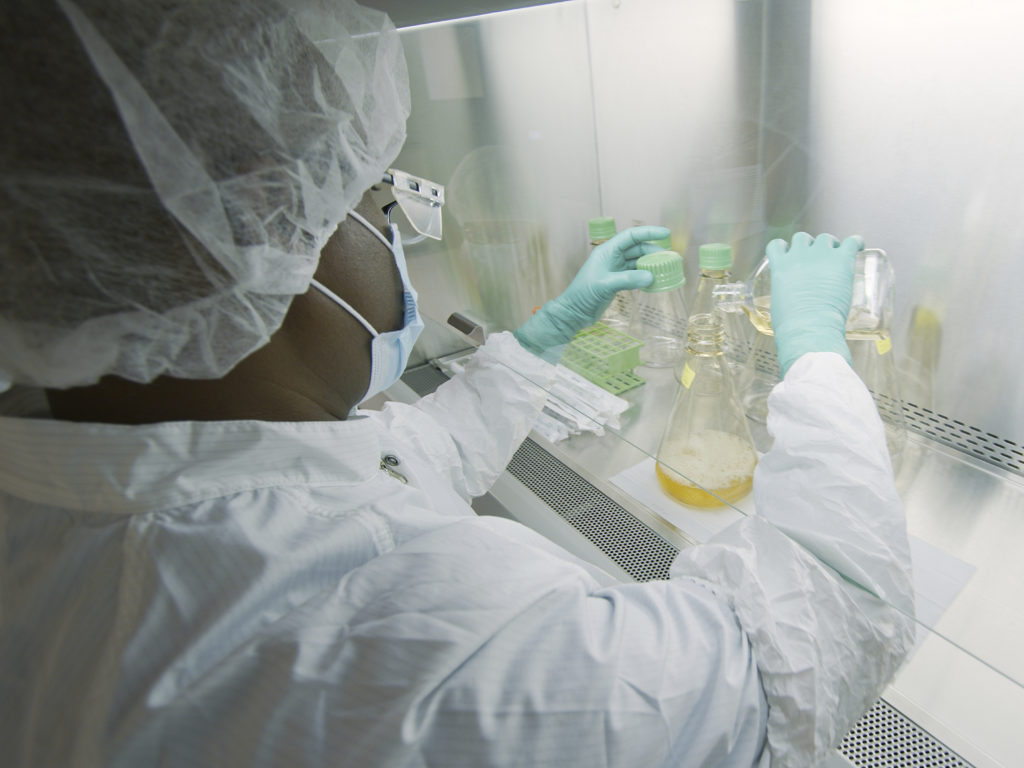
(706, 457)
(659, 319)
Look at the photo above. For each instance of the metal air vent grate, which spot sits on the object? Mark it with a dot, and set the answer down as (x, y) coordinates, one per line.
(765, 357)
(971, 440)
(424, 379)
(641, 552)
(884, 738)
(656, 318)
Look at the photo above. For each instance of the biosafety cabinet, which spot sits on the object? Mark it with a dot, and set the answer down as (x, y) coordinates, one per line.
(738, 121)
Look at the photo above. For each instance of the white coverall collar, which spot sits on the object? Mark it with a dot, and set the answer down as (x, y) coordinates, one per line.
(161, 466)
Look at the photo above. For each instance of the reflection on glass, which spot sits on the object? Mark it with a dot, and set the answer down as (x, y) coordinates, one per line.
(759, 375)
(917, 370)
(504, 248)
(873, 361)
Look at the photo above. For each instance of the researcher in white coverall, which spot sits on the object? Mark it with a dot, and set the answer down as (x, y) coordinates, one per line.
(208, 557)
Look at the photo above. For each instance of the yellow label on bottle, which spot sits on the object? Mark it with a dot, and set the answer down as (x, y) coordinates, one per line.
(686, 378)
(883, 345)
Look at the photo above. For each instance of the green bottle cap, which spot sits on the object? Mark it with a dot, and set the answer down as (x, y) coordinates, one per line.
(715, 256)
(667, 268)
(601, 228)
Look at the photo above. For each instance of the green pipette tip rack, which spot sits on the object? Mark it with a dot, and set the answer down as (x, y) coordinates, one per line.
(606, 357)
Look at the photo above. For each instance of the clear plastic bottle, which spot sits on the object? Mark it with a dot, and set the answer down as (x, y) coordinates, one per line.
(659, 319)
(620, 311)
(706, 457)
(715, 261)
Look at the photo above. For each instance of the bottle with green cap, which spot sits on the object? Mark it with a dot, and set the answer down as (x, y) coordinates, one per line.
(601, 229)
(659, 319)
(716, 269)
(620, 311)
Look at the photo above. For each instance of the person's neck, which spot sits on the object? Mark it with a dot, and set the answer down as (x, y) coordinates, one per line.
(237, 396)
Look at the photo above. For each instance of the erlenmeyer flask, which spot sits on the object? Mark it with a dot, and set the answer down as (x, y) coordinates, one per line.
(659, 319)
(870, 310)
(706, 457)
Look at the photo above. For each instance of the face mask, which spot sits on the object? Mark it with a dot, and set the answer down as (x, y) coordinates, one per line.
(389, 351)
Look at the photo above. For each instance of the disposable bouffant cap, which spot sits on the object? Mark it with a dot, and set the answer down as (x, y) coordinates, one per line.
(172, 170)
(715, 256)
(667, 268)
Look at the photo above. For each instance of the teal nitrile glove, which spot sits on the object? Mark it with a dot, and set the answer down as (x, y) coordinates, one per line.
(609, 269)
(812, 287)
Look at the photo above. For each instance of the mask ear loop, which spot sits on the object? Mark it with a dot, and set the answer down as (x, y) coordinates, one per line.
(374, 231)
(340, 301)
(345, 305)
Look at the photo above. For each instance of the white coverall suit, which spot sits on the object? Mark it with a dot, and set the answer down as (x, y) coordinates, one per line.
(255, 593)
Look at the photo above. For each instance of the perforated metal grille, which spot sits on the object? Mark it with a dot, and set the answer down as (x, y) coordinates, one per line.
(637, 549)
(654, 317)
(884, 738)
(767, 361)
(971, 440)
(424, 379)
(988, 447)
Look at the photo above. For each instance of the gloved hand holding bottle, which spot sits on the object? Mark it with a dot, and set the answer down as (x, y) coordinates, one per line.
(609, 269)
(812, 287)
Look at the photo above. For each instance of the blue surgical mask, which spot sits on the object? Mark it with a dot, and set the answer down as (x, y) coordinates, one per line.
(390, 350)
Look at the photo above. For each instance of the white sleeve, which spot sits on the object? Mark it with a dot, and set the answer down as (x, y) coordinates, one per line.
(482, 414)
(474, 645)
(819, 578)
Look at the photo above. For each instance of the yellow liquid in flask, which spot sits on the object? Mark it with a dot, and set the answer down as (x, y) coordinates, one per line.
(717, 461)
(860, 326)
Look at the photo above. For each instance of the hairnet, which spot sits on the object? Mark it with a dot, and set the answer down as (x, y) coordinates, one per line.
(170, 172)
